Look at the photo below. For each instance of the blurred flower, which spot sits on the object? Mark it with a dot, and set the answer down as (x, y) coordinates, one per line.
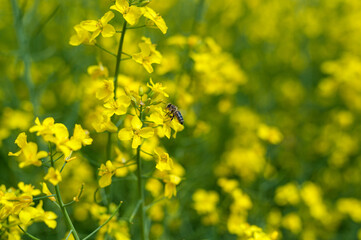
(81, 36)
(170, 185)
(205, 201)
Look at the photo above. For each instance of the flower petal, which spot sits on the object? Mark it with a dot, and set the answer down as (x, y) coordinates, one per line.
(125, 134)
(146, 132)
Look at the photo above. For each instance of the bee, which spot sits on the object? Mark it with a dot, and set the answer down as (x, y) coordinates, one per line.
(173, 110)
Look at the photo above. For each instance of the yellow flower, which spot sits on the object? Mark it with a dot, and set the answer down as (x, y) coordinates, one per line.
(136, 132)
(80, 137)
(157, 89)
(21, 141)
(117, 107)
(106, 172)
(205, 202)
(46, 190)
(81, 36)
(148, 55)
(43, 129)
(29, 152)
(100, 26)
(164, 162)
(98, 71)
(28, 188)
(101, 121)
(170, 185)
(154, 17)
(131, 14)
(106, 90)
(53, 176)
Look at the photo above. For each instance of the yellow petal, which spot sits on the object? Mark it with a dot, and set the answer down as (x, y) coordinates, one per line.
(25, 216)
(107, 17)
(125, 134)
(136, 123)
(108, 31)
(21, 140)
(89, 25)
(146, 132)
(105, 180)
(133, 15)
(136, 141)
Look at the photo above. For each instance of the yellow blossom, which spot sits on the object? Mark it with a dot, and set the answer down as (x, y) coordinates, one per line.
(117, 107)
(98, 71)
(136, 132)
(106, 172)
(28, 188)
(205, 201)
(46, 191)
(21, 141)
(148, 55)
(53, 176)
(164, 162)
(81, 36)
(157, 89)
(155, 18)
(43, 129)
(130, 13)
(80, 137)
(106, 90)
(100, 26)
(170, 185)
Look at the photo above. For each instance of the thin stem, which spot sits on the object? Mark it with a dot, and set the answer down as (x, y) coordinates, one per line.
(42, 197)
(67, 237)
(117, 65)
(105, 50)
(146, 152)
(140, 188)
(67, 219)
(28, 234)
(110, 218)
(134, 212)
(137, 27)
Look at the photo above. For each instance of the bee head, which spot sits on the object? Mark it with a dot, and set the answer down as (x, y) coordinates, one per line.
(169, 104)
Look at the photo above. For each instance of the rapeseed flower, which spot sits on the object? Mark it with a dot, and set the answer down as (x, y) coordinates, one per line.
(170, 185)
(53, 176)
(155, 18)
(164, 162)
(148, 55)
(135, 132)
(106, 173)
(99, 26)
(81, 36)
(130, 13)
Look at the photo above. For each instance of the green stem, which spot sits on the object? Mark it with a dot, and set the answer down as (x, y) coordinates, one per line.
(140, 189)
(119, 55)
(28, 234)
(67, 219)
(110, 218)
(105, 50)
(42, 197)
(117, 65)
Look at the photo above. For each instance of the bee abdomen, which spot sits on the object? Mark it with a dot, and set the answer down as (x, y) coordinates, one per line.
(179, 117)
